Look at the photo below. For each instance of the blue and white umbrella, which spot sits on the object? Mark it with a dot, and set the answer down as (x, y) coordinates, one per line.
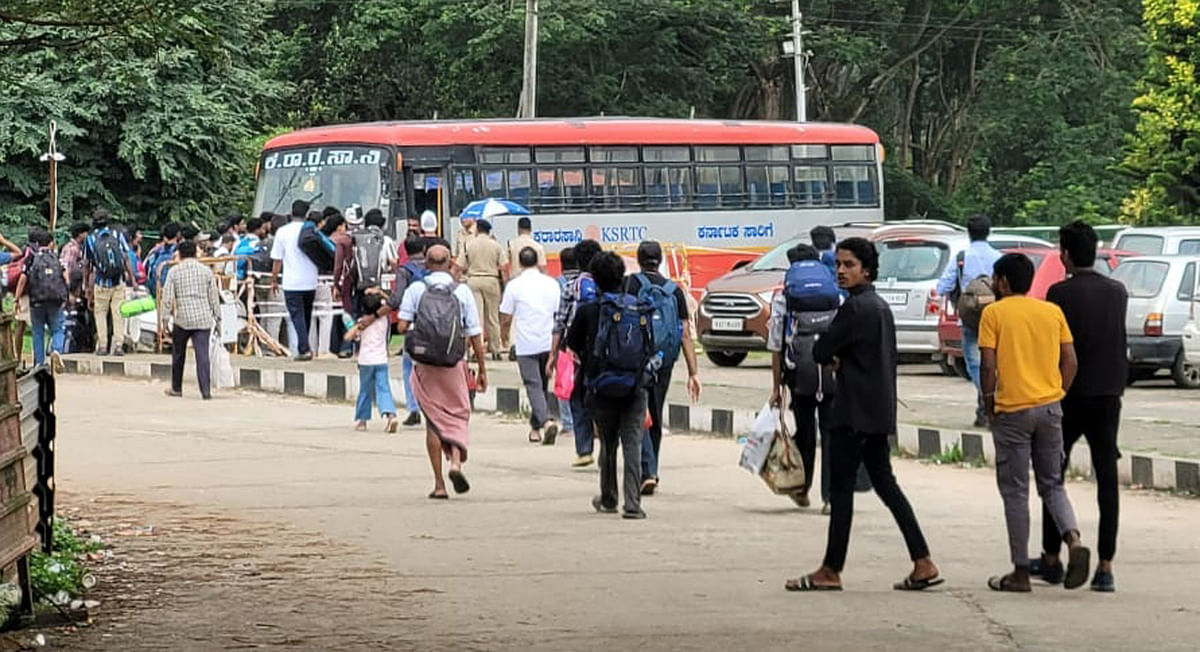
(491, 207)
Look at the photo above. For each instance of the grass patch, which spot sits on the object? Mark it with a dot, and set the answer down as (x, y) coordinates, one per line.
(951, 455)
(62, 570)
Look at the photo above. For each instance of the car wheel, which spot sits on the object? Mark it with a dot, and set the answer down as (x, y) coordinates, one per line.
(726, 358)
(1184, 374)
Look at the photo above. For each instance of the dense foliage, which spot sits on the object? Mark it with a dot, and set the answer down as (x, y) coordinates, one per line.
(1018, 108)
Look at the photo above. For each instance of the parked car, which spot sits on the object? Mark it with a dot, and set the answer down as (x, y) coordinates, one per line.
(1162, 292)
(1049, 270)
(734, 311)
(1191, 335)
(1160, 241)
(909, 270)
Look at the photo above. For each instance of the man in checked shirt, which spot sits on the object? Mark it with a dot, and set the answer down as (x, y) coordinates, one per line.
(190, 296)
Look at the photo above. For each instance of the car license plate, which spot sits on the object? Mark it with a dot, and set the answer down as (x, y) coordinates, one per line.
(895, 298)
(728, 324)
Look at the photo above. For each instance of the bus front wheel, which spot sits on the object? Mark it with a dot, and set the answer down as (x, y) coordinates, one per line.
(726, 358)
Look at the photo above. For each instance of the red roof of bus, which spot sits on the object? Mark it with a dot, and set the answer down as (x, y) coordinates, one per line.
(581, 131)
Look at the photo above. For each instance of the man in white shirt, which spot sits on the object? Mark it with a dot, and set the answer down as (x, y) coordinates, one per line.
(530, 301)
(299, 277)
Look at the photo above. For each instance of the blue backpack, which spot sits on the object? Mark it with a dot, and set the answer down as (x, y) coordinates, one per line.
(623, 348)
(809, 286)
(665, 323)
(156, 268)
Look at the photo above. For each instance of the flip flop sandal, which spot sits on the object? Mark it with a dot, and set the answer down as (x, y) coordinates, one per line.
(912, 584)
(1078, 566)
(461, 486)
(436, 496)
(805, 583)
(1000, 583)
(534, 437)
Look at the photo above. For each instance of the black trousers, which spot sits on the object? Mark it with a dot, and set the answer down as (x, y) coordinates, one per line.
(618, 423)
(811, 414)
(300, 308)
(847, 450)
(656, 398)
(1096, 418)
(179, 340)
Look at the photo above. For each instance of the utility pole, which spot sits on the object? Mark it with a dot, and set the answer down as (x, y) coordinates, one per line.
(53, 157)
(528, 104)
(799, 60)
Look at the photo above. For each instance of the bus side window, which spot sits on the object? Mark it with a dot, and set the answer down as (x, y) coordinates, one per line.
(811, 185)
(493, 183)
(464, 189)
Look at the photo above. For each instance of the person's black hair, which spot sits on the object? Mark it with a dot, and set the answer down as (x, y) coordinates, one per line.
(233, 219)
(40, 237)
(865, 252)
(170, 231)
(608, 270)
(279, 221)
(527, 257)
(100, 218)
(267, 217)
(568, 259)
(188, 232)
(371, 303)
(79, 227)
(649, 255)
(228, 237)
(330, 211)
(415, 246)
(822, 237)
(432, 242)
(315, 217)
(979, 227)
(299, 209)
(187, 249)
(222, 226)
(253, 224)
(1017, 269)
(483, 226)
(374, 217)
(585, 251)
(332, 223)
(1079, 240)
(802, 252)
(524, 223)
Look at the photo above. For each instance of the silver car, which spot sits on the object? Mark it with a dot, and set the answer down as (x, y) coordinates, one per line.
(1161, 290)
(909, 269)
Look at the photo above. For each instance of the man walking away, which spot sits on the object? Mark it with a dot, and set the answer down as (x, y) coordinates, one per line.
(570, 271)
(1028, 366)
(484, 260)
(669, 326)
(525, 239)
(191, 299)
(299, 278)
(974, 263)
(44, 281)
(1094, 306)
(529, 303)
(73, 261)
(861, 344)
(612, 339)
(580, 292)
(442, 317)
(107, 251)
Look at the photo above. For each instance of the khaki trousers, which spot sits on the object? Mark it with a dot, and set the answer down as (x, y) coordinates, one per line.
(487, 298)
(106, 301)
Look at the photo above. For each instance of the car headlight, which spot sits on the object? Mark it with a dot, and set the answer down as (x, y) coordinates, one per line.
(766, 297)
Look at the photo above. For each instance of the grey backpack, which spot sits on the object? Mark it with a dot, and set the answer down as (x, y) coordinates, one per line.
(369, 257)
(436, 334)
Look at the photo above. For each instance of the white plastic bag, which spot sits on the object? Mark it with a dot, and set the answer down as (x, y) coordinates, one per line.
(219, 361)
(758, 442)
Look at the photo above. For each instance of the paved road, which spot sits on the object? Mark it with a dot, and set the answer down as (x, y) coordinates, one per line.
(279, 525)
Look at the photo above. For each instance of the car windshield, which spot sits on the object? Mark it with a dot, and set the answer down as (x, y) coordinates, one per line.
(322, 176)
(774, 260)
(918, 260)
(1143, 279)
(1146, 245)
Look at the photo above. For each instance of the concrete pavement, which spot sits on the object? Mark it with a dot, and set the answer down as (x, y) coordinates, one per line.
(523, 563)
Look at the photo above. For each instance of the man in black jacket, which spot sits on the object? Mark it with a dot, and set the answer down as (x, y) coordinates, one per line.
(861, 344)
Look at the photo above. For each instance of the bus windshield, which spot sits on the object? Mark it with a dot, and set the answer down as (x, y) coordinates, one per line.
(323, 176)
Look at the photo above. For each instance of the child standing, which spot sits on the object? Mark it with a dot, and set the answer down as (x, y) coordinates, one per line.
(374, 383)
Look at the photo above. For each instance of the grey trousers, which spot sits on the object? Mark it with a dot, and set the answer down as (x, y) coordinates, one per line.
(619, 421)
(533, 375)
(1034, 434)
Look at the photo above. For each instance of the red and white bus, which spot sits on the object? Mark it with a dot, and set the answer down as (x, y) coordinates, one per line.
(724, 190)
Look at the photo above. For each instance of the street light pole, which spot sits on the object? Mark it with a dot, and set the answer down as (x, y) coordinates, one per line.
(528, 104)
(53, 157)
(798, 61)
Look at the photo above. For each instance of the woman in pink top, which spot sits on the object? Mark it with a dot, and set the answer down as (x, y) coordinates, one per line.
(374, 382)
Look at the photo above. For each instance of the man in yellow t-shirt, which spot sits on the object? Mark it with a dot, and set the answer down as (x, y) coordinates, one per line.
(1028, 363)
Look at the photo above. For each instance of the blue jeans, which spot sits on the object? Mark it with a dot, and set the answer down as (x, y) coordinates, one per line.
(51, 316)
(300, 308)
(583, 420)
(406, 369)
(374, 387)
(970, 349)
(564, 415)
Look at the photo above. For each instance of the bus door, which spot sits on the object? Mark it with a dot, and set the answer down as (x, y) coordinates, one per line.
(425, 192)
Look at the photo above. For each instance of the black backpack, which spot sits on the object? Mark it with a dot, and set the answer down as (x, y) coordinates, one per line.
(317, 246)
(801, 331)
(46, 281)
(368, 257)
(436, 335)
(109, 257)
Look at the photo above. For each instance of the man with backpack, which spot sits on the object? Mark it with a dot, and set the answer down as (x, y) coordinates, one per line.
(823, 239)
(613, 339)
(800, 314)
(671, 335)
(72, 260)
(438, 317)
(158, 258)
(579, 292)
(107, 252)
(44, 281)
(299, 277)
(967, 284)
(529, 303)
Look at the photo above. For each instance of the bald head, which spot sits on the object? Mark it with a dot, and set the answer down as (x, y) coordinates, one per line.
(437, 258)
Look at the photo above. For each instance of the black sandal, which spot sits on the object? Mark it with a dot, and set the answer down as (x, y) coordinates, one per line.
(1002, 583)
(806, 583)
(461, 486)
(911, 583)
(436, 496)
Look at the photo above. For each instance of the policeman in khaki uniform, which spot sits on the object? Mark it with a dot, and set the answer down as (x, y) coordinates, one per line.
(525, 239)
(464, 235)
(485, 260)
